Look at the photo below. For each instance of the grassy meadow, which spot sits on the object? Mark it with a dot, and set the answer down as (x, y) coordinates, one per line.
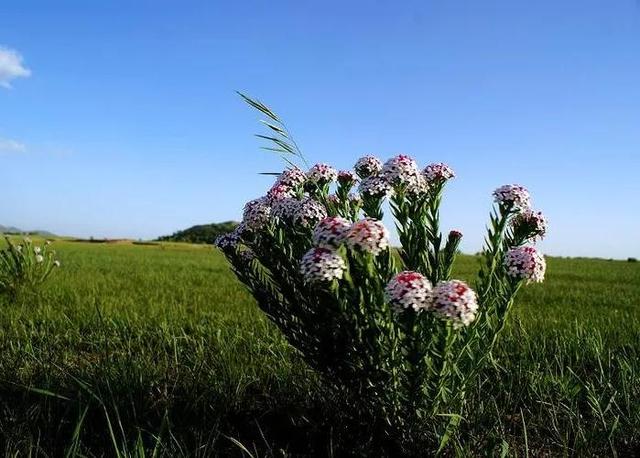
(157, 349)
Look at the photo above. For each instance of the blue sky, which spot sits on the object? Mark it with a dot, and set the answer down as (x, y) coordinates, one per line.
(124, 121)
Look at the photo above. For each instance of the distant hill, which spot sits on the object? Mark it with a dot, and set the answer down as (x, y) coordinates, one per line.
(15, 230)
(203, 233)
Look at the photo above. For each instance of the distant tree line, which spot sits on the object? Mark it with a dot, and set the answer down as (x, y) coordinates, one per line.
(202, 233)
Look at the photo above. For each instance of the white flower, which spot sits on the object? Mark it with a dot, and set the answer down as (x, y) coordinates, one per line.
(56, 263)
(532, 223)
(367, 166)
(374, 187)
(438, 172)
(347, 178)
(330, 232)
(408, 290)
(256, 213)
(525, 263)
(284, 209)
(308, 212)
(322, 265)
(513, 195)
(37, 250)
(292, 178)
(418, 187)
(39, 258)
(401, 170)
(280, 191)
(321, 174)
(455, 301)
(227, 242)
(368, 235)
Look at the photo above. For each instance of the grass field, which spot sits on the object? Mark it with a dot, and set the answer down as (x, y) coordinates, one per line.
(133, 349)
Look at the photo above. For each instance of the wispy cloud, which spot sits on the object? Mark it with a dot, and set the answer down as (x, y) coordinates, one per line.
(11, 67)
(8, 146)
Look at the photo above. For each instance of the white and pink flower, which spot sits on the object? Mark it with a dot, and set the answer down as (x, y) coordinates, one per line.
(532, 222)
(513, 195)
(438, 172)
(367, 166)
(368, 235)
(322, 265)
(292, 177)
(455, 301)
(280, 191)
(321, 174)
(347, 178)
(374, 186)
(308, 213)
(331, 231)
(401, 170)
(408, 290)
(284, 209)
(525, 263)
(256, 213)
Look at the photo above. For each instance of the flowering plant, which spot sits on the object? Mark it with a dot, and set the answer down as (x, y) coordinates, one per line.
(25, 266)
(396, 331)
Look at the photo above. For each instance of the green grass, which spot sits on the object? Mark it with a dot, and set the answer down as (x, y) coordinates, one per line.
(133, 349)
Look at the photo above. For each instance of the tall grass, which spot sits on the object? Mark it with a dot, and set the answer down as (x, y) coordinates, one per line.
(138, 350)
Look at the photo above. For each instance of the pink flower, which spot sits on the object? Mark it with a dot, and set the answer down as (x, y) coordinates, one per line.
(292, 178)
(330, 232)
(368, 235)
(525, 263)
(321, 174)
(367, 166)
(280, 191)
(454, 300)
(512, 195)
(256, 213)
(438, 172)
(374, 187)
(400, 170)
(532, 223)
(408, 290)
(308, 212)
(347, 178)
(320, 265)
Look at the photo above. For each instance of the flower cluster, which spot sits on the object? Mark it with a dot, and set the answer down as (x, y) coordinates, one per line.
(374, 187)
(408, 290)
(533, 224)
(400, 170)
(320, 265)
(321, 174)
(347, 178)
(292, 177)
(256, 213)
(284, 209)
(368, 166)
(280, 191)
(368, 235)
(438, 172)
(455, 301)
(525, 263)
(227, 241)
(512, 195)
(308, 212)
(330, 232)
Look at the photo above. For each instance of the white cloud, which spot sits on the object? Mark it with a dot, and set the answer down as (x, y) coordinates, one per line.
(11, 67)
(11, 146)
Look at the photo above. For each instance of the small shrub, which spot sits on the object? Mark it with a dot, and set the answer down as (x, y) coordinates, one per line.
(25, 266)
(632, 260)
